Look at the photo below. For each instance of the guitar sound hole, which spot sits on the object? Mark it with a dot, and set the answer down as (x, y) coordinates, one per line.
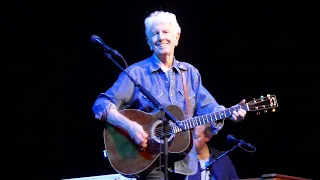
(159, 132)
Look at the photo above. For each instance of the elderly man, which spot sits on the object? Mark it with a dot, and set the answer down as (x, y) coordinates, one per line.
(170, 81)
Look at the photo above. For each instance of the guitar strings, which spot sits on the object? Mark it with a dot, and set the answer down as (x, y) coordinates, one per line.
(170, 132)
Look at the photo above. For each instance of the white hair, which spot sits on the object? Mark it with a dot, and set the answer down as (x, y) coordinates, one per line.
(161, 17)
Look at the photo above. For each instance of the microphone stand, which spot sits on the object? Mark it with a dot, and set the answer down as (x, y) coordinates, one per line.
(209, 165)
(158, 105)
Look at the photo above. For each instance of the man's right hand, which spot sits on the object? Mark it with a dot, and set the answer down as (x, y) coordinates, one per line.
(137, 133)
(134, 129)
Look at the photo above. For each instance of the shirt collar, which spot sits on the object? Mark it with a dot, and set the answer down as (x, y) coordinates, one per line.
(156, 64)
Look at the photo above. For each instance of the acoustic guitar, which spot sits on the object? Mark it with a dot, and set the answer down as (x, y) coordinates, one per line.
(129, 160)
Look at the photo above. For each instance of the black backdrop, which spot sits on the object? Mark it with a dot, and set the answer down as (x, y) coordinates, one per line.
(243, 49)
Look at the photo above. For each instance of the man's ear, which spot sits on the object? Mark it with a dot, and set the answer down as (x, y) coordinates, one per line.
(177, 39)
(208, 138)
(149, 43)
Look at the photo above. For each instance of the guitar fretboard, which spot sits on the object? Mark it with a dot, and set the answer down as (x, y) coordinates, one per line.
(207, 118)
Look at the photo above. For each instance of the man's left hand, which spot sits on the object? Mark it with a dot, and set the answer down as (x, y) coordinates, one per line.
(240, 114)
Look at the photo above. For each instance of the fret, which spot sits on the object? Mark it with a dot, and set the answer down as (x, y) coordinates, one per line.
(187, 124)
(184, 124)
(174, 128)
(215, 116)
(232, 109)
(179, 128)
(208, 121)
(227, 111)
(193, 123)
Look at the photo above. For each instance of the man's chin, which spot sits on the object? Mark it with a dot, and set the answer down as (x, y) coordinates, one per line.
(161, 53)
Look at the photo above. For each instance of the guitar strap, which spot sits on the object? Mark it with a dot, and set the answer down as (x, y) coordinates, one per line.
(186, 94)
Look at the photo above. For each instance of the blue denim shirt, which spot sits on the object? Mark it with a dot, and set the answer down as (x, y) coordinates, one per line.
(166, 89)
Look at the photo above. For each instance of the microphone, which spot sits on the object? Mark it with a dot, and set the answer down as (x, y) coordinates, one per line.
(96, 39)
(241, 142)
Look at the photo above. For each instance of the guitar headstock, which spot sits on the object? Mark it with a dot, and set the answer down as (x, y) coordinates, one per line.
(263, 103)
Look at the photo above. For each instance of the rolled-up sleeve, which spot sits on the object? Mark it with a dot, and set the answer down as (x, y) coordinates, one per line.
(118, 96)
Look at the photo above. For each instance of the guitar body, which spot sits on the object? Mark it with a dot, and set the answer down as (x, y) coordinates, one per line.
(128, 159)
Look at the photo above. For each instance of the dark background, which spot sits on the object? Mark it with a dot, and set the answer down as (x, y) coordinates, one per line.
(243, 49)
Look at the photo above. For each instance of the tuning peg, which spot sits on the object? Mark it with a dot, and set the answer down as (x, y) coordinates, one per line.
(273, 110)
(268, 95)
(265, 111)
(261, 97)
(258, 113)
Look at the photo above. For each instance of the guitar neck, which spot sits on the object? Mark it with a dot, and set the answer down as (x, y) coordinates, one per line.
(207, 118)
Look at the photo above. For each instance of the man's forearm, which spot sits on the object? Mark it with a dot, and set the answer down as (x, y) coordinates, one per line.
(117, 119)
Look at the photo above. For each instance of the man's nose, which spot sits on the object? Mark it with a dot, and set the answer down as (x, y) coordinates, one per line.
(160, 36)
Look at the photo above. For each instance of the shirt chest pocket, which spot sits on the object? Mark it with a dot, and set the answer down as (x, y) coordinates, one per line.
(156, 92)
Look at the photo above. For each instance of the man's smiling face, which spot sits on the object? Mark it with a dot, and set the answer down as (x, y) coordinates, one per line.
(162, 39)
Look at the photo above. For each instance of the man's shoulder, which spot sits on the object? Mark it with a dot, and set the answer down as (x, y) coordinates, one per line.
(187, 66)
(142, 64)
